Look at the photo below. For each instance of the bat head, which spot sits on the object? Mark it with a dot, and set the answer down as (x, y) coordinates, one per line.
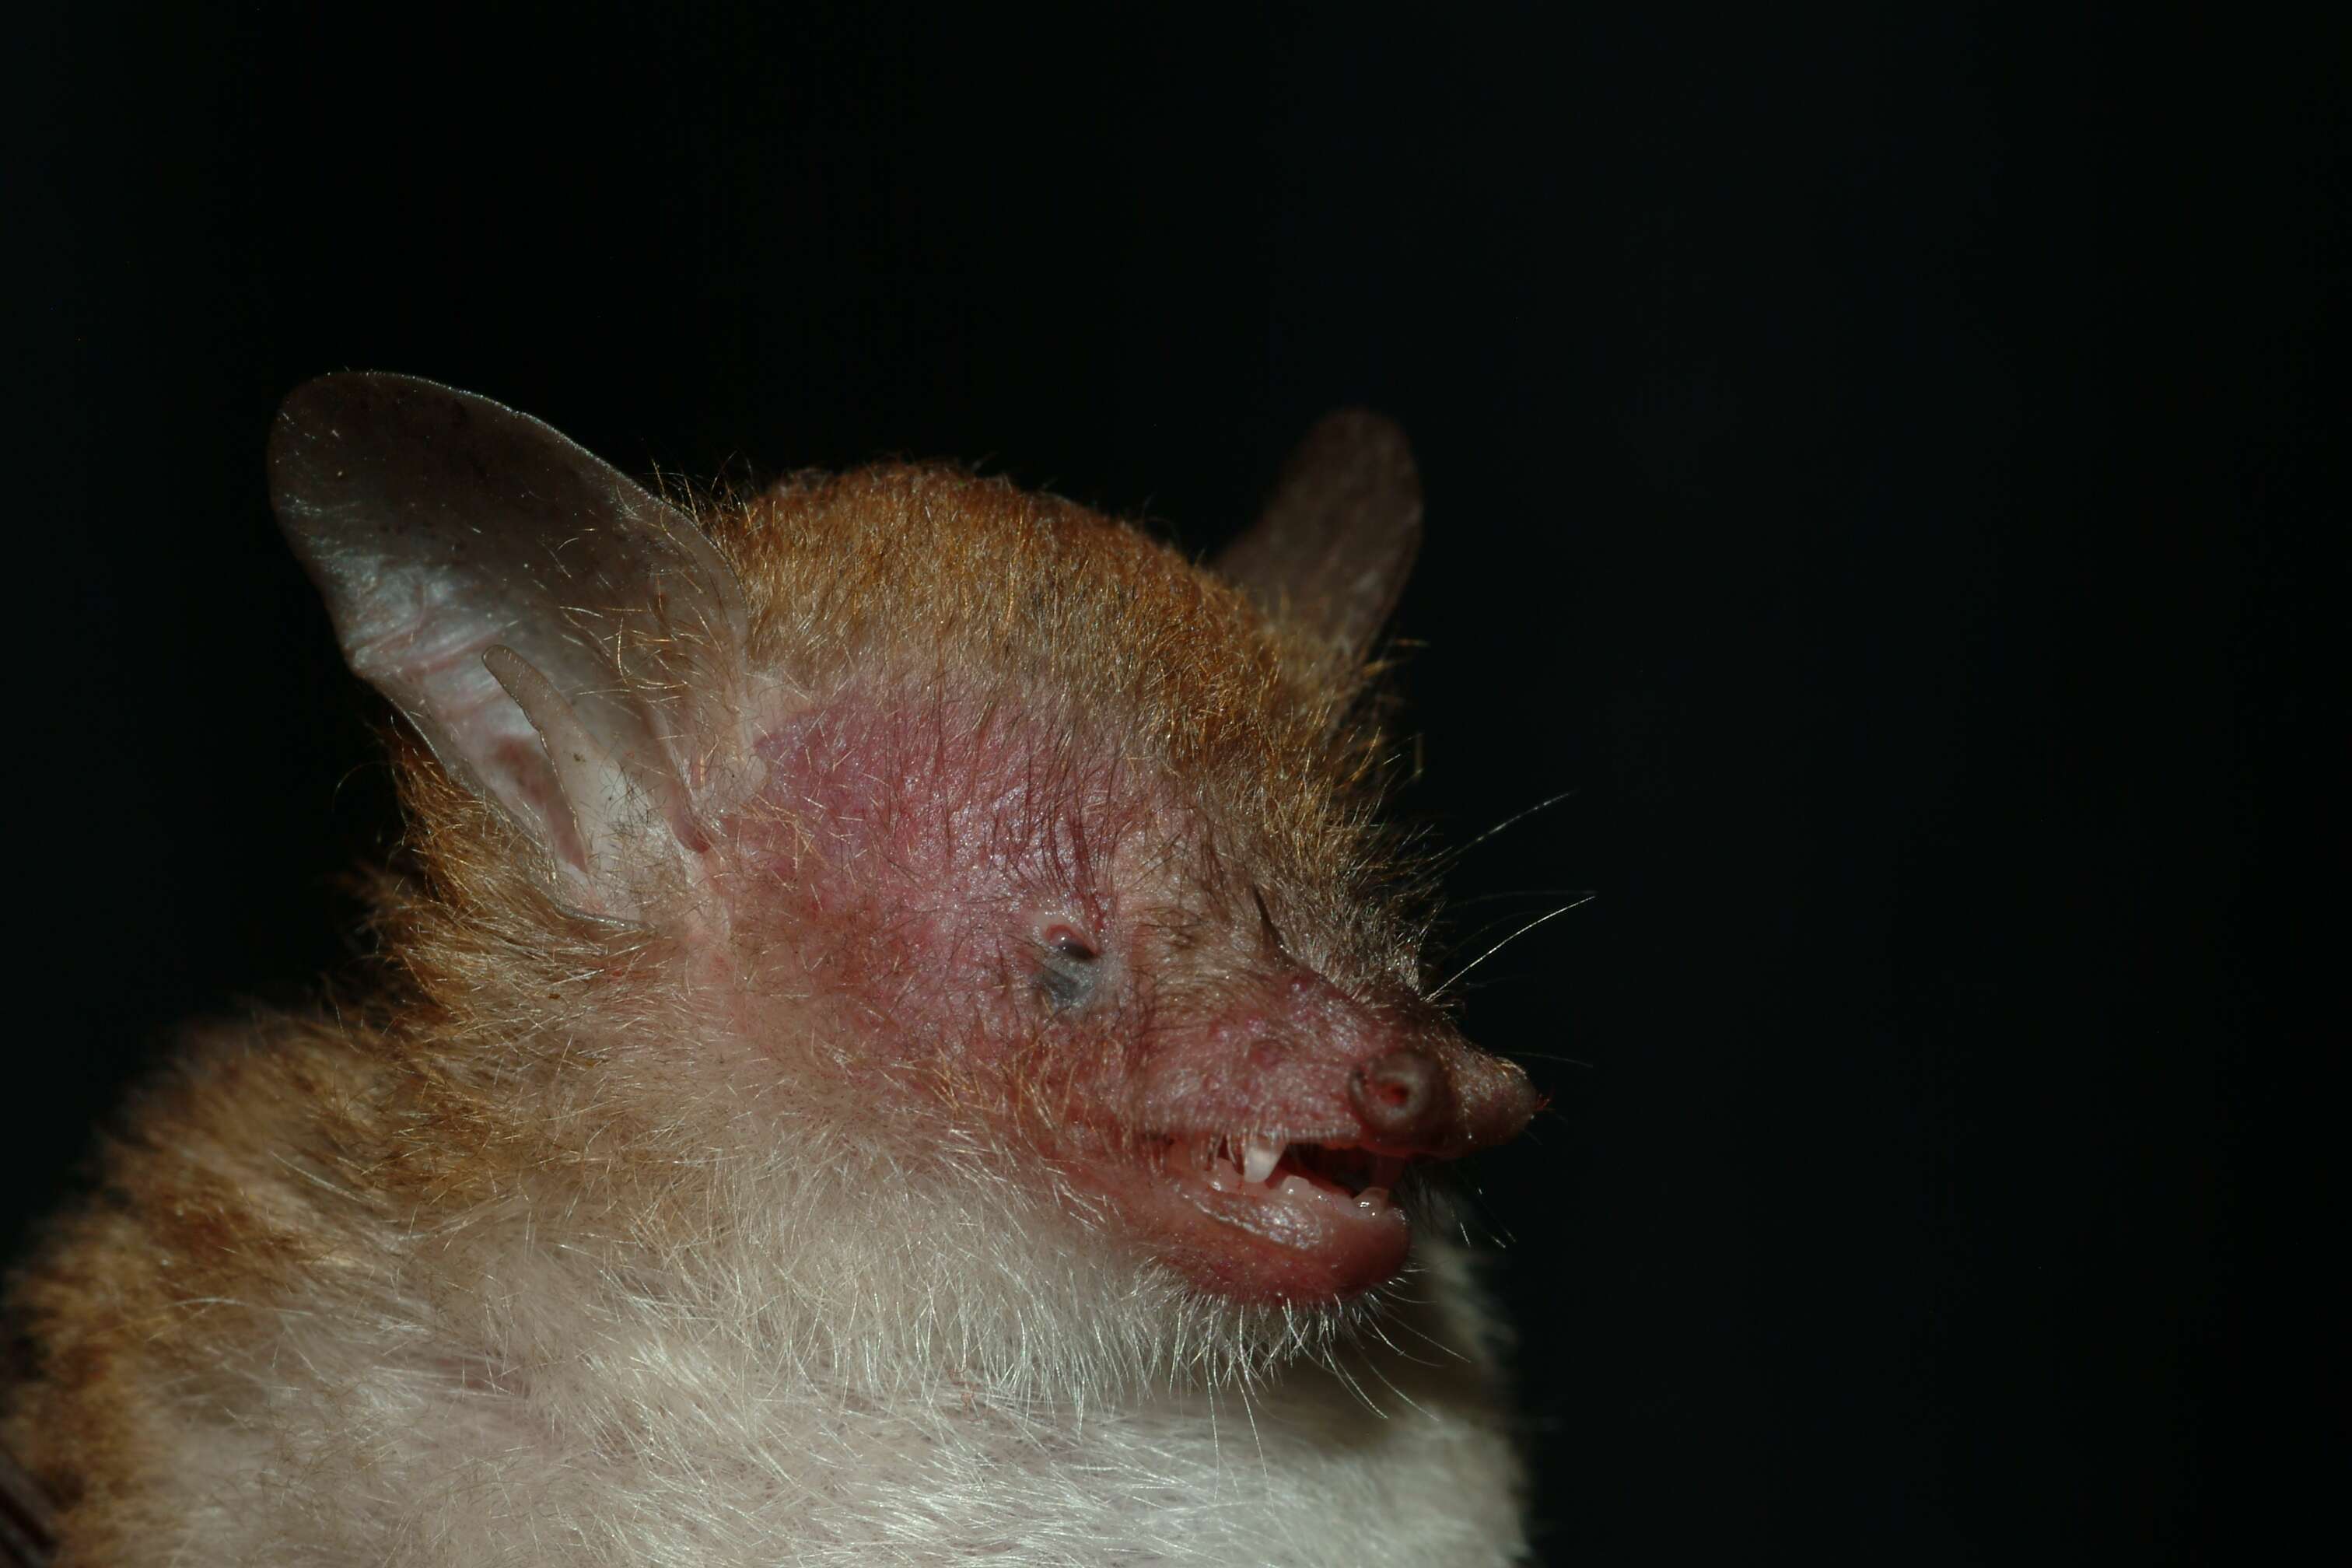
(971, 824)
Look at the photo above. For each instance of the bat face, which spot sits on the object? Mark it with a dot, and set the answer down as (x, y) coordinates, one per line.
(985, 821)
(895, 1005)
(1144, 1005)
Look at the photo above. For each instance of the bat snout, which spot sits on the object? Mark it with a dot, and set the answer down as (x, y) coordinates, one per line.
(1440, 1099)
(1404, 1100)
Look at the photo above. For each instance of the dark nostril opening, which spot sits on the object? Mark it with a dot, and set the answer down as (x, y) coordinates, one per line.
(1400, 1096)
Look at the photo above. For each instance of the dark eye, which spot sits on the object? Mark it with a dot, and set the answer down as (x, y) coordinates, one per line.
(1068, 966)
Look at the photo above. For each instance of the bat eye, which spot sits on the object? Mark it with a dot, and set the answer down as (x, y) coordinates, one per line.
(1065, 943)
(1068, 966)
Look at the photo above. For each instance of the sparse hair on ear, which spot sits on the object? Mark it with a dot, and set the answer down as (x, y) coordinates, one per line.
(563, 639)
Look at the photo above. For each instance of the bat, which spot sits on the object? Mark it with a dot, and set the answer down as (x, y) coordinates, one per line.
(898, 1032)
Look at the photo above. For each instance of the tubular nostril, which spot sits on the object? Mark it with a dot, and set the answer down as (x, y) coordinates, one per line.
(1401, 1096)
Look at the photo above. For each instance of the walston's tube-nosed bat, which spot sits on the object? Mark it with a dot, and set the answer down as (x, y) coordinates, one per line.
(900, 1037)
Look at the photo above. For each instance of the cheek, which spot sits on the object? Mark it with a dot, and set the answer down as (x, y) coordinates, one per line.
(896, 990)
(894, 906)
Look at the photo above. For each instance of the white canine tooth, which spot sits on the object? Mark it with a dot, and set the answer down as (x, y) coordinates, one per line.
(1259, 1157)
(1372, 1198)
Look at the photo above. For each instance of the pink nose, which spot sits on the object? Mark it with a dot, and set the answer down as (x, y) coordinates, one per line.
(1404, 1100)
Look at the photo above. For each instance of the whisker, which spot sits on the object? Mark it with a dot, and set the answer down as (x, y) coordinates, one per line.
(1333, 1363)
(1257, 1437)
(1468, 1209)
(1396, 1320)
(1510, 822)
(1375, 1325)
(1374, 1368)
(1540, 919)
(1487, 928)
(1516, 893)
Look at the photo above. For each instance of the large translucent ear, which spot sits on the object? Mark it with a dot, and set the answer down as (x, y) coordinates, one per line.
(566, 643)
(1331, 551)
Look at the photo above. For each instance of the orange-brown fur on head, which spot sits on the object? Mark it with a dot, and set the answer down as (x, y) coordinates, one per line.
(715, 1126)
(972, 596)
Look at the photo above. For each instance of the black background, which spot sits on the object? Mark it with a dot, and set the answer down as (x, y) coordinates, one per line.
(1869, 454)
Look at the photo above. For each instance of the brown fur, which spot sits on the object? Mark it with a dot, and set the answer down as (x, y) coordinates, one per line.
(471, 1077)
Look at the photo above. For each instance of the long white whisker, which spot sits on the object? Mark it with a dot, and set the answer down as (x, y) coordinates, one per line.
(1513, 893)
(1382, 1334)
(1513, 821)
(1487, 928)
(1426, 1337)
(1555, 914)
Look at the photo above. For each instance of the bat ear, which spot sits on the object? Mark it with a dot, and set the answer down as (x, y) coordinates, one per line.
(566, 643)
(1331, 549)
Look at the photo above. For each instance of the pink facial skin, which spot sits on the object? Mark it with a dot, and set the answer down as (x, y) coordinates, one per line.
(1026, 931)
(895, 1021)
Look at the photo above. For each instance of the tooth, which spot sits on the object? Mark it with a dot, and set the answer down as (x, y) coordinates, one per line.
(1372, 1198)
(1259, 1157)
(1213, 1166)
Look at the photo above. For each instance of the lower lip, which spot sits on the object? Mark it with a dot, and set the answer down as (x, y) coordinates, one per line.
(1294, 1239)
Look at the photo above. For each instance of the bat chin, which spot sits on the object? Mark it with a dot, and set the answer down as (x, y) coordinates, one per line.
(1265, 1219)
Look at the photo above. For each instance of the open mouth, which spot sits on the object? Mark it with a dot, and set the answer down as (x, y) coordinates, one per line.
(1337, 1174)
(1259, 1216)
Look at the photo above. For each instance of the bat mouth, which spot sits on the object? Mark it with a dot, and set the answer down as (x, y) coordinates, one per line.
(1334, 1171)
(1265, 1216)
